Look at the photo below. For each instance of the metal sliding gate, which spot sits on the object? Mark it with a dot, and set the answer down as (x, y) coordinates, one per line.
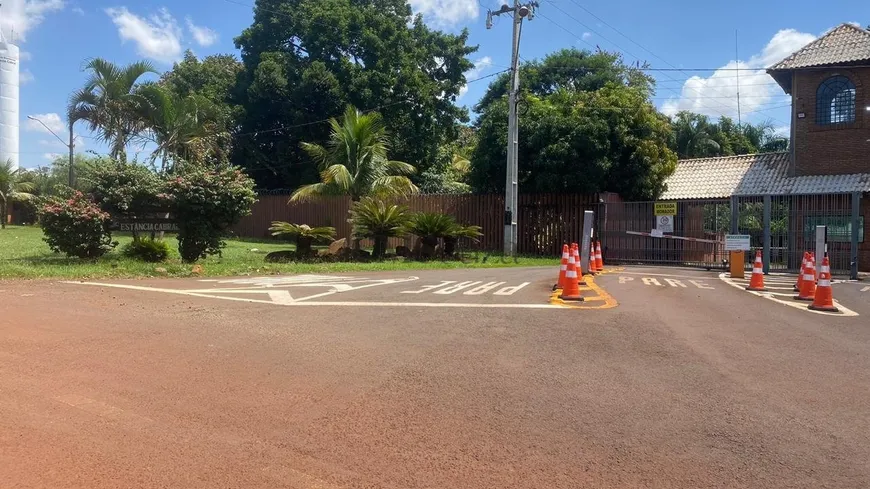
(785, 223)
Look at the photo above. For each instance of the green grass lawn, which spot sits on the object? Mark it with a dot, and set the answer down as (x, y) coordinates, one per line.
(23, 254)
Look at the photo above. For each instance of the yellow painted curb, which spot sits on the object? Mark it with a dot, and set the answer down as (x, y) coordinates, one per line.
(602, 296)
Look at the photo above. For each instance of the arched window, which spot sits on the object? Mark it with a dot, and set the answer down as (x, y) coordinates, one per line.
(835, 101)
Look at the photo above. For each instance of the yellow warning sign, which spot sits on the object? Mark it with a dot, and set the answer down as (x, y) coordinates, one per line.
(666, 209)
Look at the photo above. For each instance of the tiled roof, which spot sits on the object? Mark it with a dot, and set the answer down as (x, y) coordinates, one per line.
(758, 174)
(844, 44)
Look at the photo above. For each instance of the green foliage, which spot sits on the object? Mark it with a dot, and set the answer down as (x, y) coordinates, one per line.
(206, 202)
(127, 190)
(75, 226)
(303, 234)
(373, 218)
(695, 136)
(13, 188)
(306, 60)
(148, 250)
(111, 103)
(588, 126)
(213, 78)
(185, 128)
(354, 161)
(431, 226)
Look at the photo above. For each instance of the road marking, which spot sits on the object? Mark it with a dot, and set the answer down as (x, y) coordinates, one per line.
(865, 289)
(802, 306)
(669, 281)
(601, 296)
(443, 289)
(98, 408)
(297, 302)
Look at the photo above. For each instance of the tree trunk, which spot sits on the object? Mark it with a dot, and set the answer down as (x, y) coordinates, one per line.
(3, 216)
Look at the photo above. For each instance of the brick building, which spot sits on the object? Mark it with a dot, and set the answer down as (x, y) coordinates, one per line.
(825, 176)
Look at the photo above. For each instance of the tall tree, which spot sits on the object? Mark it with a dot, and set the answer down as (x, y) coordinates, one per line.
(184, 128)
(694, 136)
(111, 102)
(305, 60)
(354, 161)
(586, 126)
(13, 188)
(214, 77)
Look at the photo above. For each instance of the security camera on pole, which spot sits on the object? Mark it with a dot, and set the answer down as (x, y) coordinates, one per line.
(519, 12)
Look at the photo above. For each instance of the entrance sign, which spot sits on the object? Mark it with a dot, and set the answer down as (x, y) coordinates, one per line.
(665, 224)
(737, 242)
(665, 209)
(146, 226)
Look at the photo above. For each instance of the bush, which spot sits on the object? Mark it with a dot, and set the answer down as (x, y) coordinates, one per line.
(75, 226)
(149, 250)
(207, 201)
(372, 218)
(127, 190)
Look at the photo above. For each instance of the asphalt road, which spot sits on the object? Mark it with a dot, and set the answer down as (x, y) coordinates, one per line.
(686, 383)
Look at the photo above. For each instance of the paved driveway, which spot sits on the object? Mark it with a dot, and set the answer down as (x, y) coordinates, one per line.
(687, 382)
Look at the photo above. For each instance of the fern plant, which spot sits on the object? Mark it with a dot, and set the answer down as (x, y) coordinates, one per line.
(375, 219)
(304, 235)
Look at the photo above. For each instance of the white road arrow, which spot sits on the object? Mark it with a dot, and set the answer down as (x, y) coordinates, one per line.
(865, 289)
(280, 297)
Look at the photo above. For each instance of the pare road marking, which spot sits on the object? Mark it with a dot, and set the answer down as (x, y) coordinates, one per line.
(865, 289)
(284, 301)
(667, 282)
(802, 306)
(447, 287)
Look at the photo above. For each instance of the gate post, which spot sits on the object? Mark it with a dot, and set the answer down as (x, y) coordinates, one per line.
(856, 212)
(735, 215)
(766, 240)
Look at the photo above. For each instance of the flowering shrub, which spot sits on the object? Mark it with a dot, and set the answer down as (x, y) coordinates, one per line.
(75, 226)
(207, 201)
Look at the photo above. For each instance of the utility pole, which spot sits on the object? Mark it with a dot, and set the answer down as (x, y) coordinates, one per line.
(519, 12)
(71, 146)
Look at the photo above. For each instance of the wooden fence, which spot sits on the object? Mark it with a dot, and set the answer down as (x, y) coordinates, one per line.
(545, 220)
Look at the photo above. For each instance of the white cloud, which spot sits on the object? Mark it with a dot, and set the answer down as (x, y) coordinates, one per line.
(716, 94)
(25, 77)
(20, 16)
(52, 156)
(25, 56)
(480, 66)
(202, 35)
(52, 120)
(78, 10)
(446, 12)
(157, 37)
(586, 36)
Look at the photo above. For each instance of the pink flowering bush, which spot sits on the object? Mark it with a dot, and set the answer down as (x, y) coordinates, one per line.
(75, 226)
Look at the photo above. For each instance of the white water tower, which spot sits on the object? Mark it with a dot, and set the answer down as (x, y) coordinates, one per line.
(8, 102)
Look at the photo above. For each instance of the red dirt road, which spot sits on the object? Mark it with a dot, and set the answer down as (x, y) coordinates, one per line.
(675, 387)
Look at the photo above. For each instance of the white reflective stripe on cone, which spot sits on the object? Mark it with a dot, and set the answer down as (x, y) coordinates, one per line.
(571, 274)
(810, 277)
(824, 283)
(563, 267)
(826, 269)
(757, 270)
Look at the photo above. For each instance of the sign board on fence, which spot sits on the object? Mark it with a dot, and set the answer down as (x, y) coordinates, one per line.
(665, 224)
(657, 233)
(665, 209)
(737, 242)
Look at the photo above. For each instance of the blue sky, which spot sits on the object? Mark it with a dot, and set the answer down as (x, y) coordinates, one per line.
(57, 35)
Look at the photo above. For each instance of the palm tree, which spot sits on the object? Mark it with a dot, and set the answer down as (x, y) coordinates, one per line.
(183, 128)
(354, 161)
(373, 218)
(694, 136)
(12, 189)
(111, 102)
(303, 234)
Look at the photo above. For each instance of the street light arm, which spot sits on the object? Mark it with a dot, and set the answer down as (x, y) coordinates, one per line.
(49, 130)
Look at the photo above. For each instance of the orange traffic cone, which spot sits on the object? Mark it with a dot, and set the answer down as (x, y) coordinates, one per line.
(808, 283)
(797, 286)
(571, 292)
(824, 300)
(599, 260)
(576, 248)
(592, 268)
(756, 283)
(563, 268)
